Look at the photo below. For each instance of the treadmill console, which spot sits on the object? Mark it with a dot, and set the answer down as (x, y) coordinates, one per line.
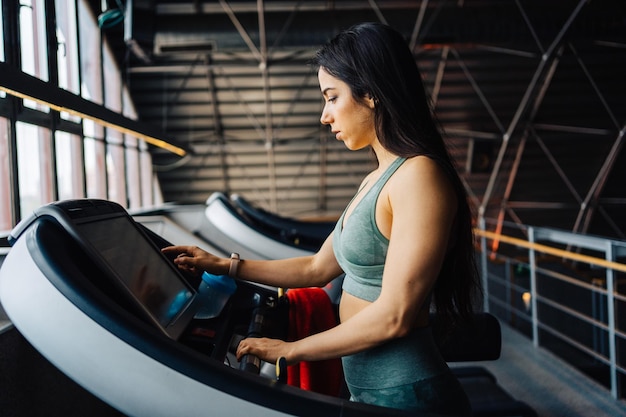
(133, 272)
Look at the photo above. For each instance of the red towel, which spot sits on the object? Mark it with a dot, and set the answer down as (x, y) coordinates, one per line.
(310, 312)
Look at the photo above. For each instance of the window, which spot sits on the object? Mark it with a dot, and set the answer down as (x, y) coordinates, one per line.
(132, 173)
(90, 62)
(148, 196)
(6, 217)
(34, 167)
(95, 168)
(116, 170)
(2, 58)
(67, 49)
(113, 80)
(1, 34)
(131, 144)
(33, 45)
(79, 157)
(69, 164)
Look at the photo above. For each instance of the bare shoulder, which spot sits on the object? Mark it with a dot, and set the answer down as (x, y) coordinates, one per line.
(421, 186)
(421, 173)
(418, 195)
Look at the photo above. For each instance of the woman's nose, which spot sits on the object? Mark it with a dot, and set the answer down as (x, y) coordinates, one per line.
(325, 117)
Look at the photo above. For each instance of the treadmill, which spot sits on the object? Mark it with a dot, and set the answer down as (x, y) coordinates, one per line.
(89, 288)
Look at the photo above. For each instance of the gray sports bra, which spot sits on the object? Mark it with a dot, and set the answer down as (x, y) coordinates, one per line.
(360, 247)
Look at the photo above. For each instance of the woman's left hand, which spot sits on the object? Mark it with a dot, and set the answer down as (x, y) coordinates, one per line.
(268, 350)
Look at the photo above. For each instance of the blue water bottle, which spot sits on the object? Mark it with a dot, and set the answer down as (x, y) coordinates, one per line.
(213, 293)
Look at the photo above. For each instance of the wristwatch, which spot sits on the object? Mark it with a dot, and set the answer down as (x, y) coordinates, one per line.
(234, 265)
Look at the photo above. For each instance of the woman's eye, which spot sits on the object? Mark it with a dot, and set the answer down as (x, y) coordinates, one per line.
(332, 99)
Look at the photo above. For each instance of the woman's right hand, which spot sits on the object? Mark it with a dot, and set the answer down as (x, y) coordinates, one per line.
(194, 260)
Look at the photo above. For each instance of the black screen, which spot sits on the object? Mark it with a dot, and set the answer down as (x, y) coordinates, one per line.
(151, 279)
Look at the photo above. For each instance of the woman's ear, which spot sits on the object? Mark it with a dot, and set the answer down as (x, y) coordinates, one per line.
(371, 101)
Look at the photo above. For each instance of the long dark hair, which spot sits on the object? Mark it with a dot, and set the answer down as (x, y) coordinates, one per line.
(375, 61)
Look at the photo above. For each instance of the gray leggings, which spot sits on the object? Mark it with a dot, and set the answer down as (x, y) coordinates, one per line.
(407, 373)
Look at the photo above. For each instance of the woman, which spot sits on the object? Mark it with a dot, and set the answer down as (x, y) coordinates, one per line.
(404, 241)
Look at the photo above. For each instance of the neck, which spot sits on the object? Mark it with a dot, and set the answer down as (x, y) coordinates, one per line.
(384, 157)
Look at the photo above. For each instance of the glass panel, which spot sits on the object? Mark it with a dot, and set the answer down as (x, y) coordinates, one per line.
(112, 80)
(133, 177)
(132, 173)
(34, 167)
(94, 168)
(69, 166)
(67, 50)
(90, 63)
(115, 152)
(6, 218)
(1, 33)
(33, 45)
(157, 195)
(145, 168)
(116, 171)
(2, 58)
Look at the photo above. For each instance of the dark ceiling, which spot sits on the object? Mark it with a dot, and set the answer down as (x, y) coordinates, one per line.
(531, 95)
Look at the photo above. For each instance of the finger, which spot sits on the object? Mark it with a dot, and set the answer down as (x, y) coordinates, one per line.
(178, 249)
(241, 350)
(173, 250)
(185, 261)
(246, 347)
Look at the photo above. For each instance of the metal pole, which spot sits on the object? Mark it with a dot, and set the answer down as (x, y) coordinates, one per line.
(610, 303)
(483, 262)
(507, 285)
(533, 287)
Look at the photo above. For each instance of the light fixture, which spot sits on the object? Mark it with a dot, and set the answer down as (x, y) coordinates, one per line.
(527, 298)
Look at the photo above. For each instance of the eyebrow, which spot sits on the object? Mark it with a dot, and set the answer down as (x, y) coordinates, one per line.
(324, 91)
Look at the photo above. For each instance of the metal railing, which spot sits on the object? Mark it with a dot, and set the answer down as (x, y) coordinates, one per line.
(566, 291)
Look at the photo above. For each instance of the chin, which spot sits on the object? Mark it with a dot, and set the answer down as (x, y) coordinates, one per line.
(354, 146)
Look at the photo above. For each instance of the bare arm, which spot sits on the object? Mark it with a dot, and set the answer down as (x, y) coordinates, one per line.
(419, 224)
(306, 271)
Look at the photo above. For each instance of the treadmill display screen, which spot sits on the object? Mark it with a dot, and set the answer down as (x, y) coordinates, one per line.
(140, 267)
